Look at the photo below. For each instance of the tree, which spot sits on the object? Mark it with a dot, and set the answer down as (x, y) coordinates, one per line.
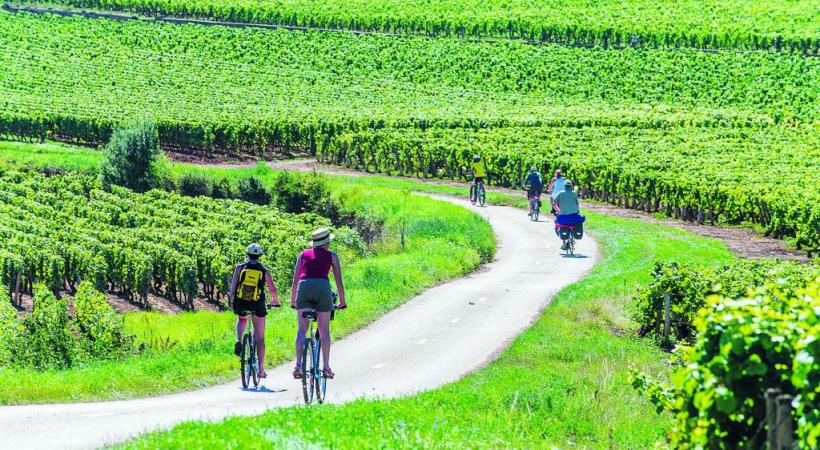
(131, 157)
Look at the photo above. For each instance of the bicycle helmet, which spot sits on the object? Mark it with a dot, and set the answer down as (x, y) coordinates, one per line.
(476, 158)
(533, 169)
(568, 185)
(255, 250)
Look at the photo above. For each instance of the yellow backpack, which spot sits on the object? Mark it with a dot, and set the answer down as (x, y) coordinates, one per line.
(250, 284)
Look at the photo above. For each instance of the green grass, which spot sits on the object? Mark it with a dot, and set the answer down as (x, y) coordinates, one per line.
(192, 350)
(49, 154)
(563, 382)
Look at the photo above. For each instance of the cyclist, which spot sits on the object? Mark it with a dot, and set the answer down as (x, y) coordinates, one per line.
(556, 187)
(311, 291)
(479, 171)
(566, 202)
(535, 186)
(248, 294)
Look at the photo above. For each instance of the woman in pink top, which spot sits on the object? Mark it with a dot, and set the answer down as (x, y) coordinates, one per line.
(311, 291)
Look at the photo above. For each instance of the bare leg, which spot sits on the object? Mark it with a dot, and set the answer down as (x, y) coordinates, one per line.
(259, 339)
(241, 321)
(323, 320)
(300, 335)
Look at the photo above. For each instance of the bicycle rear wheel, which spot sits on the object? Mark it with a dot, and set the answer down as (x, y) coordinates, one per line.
(535, 213)
(245, 362)
(307, 374)
(320, 384)
(481, 194)
(254, 363)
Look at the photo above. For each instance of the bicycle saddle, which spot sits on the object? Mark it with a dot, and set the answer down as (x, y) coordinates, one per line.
(309, 315)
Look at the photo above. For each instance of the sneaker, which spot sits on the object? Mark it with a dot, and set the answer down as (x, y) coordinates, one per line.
(564, 246)
(237, 348)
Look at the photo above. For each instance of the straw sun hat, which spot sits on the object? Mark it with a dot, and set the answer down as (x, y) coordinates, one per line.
(320, 237)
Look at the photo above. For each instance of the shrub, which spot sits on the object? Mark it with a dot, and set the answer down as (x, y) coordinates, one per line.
(131, 157)
(194, 185)
(49, 342)
(223, 188)
(10, 329)
(101, 330)
(251, 190)
(744, 347)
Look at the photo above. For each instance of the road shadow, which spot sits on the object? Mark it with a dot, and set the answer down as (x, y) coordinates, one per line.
(577, 255)
(262, 389)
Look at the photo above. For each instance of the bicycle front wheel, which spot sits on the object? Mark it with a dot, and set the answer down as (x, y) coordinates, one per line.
(307, 374)
(245, 362)
(320, 382)
(481, 194)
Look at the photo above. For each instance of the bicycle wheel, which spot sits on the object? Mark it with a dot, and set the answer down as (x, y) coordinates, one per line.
(320, 384)
(535, 213)
(244, 362)
(254, 363)
(307, 375)
(481, 194)
(472, 194)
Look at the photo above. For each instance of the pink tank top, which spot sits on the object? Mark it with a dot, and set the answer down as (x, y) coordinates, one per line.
(315, 263)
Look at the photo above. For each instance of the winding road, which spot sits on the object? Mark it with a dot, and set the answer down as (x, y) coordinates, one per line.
(432, 339)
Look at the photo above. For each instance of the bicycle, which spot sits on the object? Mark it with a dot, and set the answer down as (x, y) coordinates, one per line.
(567, 235)
(314, 382)
(477, 193)
(535, 206)
(248, 365)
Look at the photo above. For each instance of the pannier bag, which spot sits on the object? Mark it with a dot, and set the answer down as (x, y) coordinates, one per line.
(250, 284)
(579, 230)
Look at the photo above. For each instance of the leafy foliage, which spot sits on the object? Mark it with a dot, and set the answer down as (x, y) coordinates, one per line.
(100, 330)
(130, 156)
(767, 339)
(49, 341)
(689, 287)
(664, 23)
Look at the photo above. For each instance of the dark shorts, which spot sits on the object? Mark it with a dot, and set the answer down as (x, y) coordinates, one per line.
(258, 307)
(314, 293)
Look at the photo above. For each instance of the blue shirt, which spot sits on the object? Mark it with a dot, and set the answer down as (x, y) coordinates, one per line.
(557, 186)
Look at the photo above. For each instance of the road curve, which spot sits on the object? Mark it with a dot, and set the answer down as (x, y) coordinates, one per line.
(433, 339)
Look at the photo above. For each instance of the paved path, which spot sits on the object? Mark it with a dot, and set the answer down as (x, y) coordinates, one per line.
(433, 339)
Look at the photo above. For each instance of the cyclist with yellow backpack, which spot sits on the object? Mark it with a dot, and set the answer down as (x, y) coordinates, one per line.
(248, 294)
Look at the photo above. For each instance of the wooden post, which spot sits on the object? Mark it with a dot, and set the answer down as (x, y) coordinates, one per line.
(667, 319)
(771, 416)
(17, 295)
(784, 422)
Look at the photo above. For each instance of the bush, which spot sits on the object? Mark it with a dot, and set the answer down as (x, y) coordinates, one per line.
(49, 342)
(744, 347)
(194, 185)
(131, 156)
(11, 329)
(223, 189)
(101, 330)
(251, 190)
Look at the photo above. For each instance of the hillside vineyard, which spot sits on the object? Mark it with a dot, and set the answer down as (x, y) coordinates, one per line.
(723, 137)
